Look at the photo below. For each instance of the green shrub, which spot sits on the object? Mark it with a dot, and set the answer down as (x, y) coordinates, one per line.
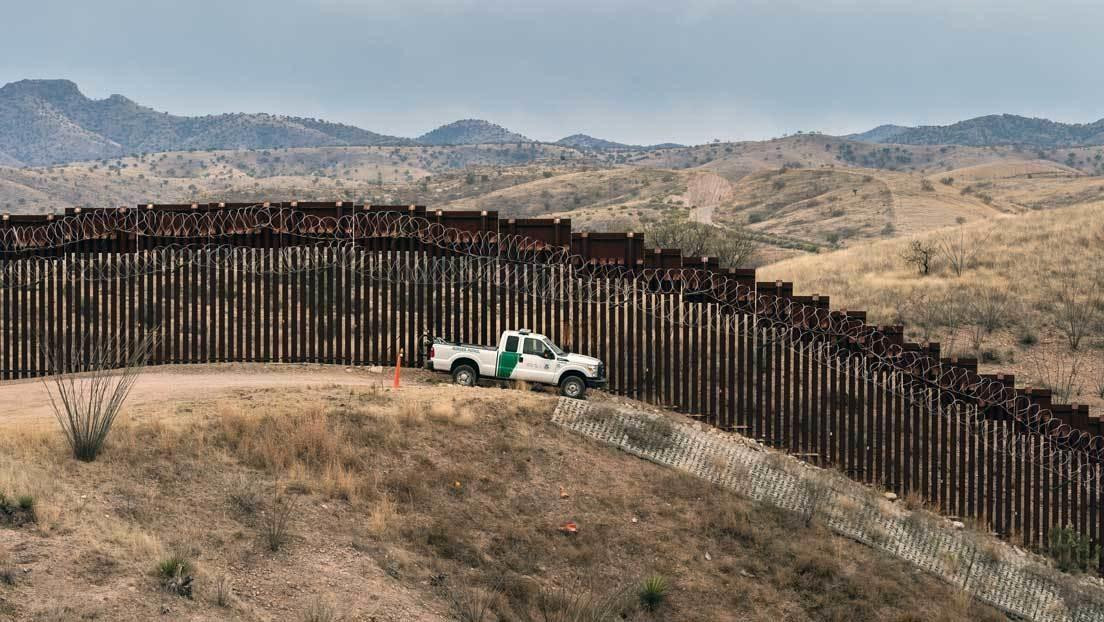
(1028, 338)
(653, 592)
(1071, 551)
(173, 566)
(26, 503)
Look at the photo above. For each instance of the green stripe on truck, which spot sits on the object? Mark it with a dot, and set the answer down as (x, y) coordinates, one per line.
(507, 361)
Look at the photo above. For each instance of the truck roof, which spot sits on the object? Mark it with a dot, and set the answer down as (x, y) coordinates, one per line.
(524, 332)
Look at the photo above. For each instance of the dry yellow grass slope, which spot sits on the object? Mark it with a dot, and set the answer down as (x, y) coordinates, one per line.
(1022, 265)
(420, 504)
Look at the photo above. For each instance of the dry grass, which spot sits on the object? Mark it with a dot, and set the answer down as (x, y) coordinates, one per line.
(1016, 259)
(466, 496)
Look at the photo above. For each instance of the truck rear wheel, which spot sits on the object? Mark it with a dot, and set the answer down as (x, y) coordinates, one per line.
(573, 387)
(464, 375)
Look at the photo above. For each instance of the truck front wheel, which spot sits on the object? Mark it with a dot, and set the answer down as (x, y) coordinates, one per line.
(573, 387)
(464, 375)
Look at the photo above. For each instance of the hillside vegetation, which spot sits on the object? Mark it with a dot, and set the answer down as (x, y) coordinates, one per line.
(471, 132)
(795, 195)
(51, 121)
(1025, 287)
(994, 129)
(428, 503)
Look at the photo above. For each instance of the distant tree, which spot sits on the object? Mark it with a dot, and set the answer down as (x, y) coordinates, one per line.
(919, 255)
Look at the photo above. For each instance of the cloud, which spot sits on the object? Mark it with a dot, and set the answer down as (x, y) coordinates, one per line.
(629, 71)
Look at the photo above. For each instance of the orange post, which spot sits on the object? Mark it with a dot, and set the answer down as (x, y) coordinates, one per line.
(398, 362)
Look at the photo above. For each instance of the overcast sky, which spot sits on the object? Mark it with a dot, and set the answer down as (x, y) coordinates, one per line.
(627, 71)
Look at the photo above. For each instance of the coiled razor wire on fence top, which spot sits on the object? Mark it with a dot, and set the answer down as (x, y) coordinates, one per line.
(206, 238)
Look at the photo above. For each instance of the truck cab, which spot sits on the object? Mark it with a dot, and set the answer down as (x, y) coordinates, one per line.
(520, 355)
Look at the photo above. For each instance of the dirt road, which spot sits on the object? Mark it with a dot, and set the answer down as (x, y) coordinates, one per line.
(25, 404)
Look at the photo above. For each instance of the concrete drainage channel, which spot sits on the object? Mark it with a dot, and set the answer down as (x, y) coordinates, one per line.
(995, 573)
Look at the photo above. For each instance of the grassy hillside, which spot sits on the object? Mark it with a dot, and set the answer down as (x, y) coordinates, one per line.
(796, 195)
(999, 129)
(734, 160)
(1023, 276)
(420, 504)
(378, 174)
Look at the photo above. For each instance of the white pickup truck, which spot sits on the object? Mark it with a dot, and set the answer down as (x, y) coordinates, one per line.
(520, 355)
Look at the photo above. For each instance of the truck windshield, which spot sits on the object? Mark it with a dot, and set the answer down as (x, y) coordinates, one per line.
(554, 348)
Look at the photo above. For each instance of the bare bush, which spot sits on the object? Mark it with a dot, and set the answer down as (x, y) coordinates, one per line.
(321, 610)
(919, 255)
(472, 604)
(1077, 302)
(931, 311)
(277, 519)
(1060, 374)
(224, 592)
(960, 250)
(989, 309)
(733, 246)
(1100, 376)
(578, 604)
(89, 382)
(818, 494)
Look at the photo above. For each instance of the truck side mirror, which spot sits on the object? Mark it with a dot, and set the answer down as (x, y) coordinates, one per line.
(548, 354)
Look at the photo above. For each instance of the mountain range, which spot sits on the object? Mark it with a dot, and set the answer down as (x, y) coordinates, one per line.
(45, 122)
(51, 121)
(991, 130)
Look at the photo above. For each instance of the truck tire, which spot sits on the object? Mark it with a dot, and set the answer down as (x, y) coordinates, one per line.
(464, 375)
(573, 387)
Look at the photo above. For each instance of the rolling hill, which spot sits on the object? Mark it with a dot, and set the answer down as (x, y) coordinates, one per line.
(990, 130)
(51, 121)
(471, 132)
(1016, 274)
(583, 141)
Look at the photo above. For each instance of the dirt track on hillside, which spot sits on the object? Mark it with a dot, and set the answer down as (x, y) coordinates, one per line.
(25, 404)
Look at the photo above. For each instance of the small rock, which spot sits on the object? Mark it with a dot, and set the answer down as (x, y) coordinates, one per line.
(634, 519)
(708, 558)
(375, 369)
(957, 524)
(891, 496)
